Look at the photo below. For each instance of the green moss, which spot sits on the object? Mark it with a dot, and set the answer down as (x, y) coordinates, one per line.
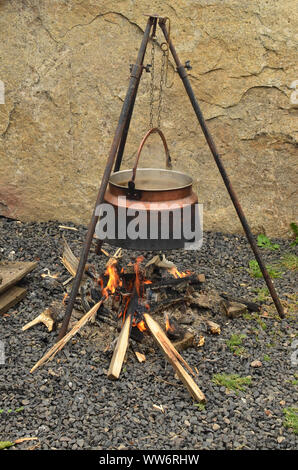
(264, 242)
(4, 444)
(289, 261)
(261, 323)
(262, 294)
(254, 270)
(291, 419)
(232, 381)
(234, 344)
(294, 228)
(200, 406)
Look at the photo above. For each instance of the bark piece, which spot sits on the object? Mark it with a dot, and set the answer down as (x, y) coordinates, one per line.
(140, 356)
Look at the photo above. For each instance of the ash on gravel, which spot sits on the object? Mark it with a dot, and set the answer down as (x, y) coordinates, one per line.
(70, 404)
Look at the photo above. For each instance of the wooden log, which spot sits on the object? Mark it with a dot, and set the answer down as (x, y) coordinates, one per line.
(157, 328)
(172, 356)
(12, 272)
(120, 350)
(192, 280)
(185, 342)
(233, 309)
(11, 297)
(251, 306)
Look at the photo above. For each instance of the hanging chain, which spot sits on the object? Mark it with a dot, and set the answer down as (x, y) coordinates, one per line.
(163, 76)
(152, 82)
(162, 80)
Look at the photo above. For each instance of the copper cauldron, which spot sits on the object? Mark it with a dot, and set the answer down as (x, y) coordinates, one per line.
(154, 207)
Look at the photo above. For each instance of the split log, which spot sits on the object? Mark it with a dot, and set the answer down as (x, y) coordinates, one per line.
(12, 272)
(69, 260)
(233, 309)
(120, 350)
(11, 297)
(157, 328)
(251, 306)
(193, 280)
(174, 357)
(60, 344)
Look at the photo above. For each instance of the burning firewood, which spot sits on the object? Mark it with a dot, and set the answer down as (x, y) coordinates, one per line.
(123, 339)
(114, 258)
(173, 329)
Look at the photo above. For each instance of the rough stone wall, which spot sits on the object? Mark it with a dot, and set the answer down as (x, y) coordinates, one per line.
(65, 67)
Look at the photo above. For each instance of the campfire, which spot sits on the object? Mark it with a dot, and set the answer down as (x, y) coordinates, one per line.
(129, 297)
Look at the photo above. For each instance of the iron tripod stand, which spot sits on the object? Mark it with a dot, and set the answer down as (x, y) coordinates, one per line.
(118, 146)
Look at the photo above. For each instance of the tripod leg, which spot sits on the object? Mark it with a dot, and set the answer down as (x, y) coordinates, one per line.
(183, 75)
(120, 151)
(134, 79)
(125, 132)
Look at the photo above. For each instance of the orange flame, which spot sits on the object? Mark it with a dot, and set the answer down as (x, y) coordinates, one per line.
(168, 325)
(141, 325)
(64, 298)
(137, 271)
(177, 274)
(113, 282)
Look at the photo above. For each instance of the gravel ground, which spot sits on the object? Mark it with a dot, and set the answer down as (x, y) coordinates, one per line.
(70, 404)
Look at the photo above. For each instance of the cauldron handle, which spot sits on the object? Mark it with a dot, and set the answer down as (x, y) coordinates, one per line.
(154, 130)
